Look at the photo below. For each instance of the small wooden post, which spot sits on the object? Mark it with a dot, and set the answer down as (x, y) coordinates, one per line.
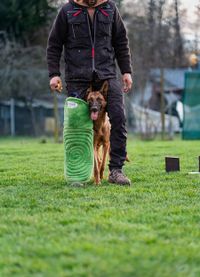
(56, 118)
(12, 117)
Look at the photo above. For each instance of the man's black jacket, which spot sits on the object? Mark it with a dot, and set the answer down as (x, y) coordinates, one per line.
(88, 49)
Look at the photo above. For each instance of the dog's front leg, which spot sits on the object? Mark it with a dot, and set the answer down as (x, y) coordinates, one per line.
(96, 168)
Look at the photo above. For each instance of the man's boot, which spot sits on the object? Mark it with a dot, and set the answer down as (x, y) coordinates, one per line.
(117, 177)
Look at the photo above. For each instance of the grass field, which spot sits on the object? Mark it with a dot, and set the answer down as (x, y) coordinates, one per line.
(48, 228)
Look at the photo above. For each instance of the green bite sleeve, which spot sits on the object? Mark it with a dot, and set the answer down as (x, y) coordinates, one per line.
(78, 141)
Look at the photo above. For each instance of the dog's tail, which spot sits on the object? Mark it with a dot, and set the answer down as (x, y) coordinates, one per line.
(127, 159)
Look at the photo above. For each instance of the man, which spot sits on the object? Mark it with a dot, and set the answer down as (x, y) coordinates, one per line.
(93, 35)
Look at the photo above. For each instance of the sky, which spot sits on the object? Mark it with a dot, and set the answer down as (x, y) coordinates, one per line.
(189, 5)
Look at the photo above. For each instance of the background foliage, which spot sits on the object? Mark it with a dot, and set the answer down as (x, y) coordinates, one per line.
(19, 18)
(153, 28)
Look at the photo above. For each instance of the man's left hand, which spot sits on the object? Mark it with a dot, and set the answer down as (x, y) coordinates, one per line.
(127, 82)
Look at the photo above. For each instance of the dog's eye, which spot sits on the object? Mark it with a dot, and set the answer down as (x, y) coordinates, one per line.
(99, 99)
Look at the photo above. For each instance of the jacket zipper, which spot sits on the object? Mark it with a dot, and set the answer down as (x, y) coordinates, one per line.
(93, 40)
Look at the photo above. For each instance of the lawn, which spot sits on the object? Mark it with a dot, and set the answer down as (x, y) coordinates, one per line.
(48, 228)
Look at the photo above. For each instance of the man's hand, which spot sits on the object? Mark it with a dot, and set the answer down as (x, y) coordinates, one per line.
(127, 82)
(56, 84)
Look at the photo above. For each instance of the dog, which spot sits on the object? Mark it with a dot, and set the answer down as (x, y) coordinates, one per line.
(97, 101)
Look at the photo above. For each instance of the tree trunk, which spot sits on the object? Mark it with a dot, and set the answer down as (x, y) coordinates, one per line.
(162, 102)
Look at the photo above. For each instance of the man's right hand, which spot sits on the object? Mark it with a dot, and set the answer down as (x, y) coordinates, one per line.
(56, 84)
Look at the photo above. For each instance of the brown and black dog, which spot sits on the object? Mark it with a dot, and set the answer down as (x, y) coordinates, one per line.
(101, 125)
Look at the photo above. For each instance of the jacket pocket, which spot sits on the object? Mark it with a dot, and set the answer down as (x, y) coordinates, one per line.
(78, 25)
(104, 25)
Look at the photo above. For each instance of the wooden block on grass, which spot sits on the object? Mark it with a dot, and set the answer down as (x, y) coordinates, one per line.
(172, 164)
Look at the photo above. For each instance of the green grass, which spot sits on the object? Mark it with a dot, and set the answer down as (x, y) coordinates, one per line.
(48, 228)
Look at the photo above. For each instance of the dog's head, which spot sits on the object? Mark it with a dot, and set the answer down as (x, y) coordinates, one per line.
(97, 100)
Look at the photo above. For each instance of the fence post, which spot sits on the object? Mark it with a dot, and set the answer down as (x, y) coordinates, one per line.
(12, 117)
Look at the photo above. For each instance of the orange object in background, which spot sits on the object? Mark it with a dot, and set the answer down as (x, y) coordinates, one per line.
(193, 59)
(59, 86)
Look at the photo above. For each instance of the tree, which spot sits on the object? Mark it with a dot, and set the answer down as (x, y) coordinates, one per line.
(178, 43)
(119, 3)
(161, 40)
(151, 26)
(20, 18)
(23, 75)
(155, 36)
(197, 28)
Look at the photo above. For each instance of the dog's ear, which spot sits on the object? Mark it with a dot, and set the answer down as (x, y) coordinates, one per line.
(104, 89)
(87, 92)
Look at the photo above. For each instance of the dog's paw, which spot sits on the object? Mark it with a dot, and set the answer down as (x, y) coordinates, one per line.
(127, 159)
(97, 182)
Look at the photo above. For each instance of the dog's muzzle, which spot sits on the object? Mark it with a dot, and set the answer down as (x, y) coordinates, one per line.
(94, 112)
(94, 109)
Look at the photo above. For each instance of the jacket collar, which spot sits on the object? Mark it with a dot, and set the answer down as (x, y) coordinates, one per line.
(82, 4)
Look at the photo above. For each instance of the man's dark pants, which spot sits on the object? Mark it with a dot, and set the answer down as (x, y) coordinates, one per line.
(115, 109)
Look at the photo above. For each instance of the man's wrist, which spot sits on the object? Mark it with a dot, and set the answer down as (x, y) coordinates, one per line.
(54, 75)
(129, 73)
